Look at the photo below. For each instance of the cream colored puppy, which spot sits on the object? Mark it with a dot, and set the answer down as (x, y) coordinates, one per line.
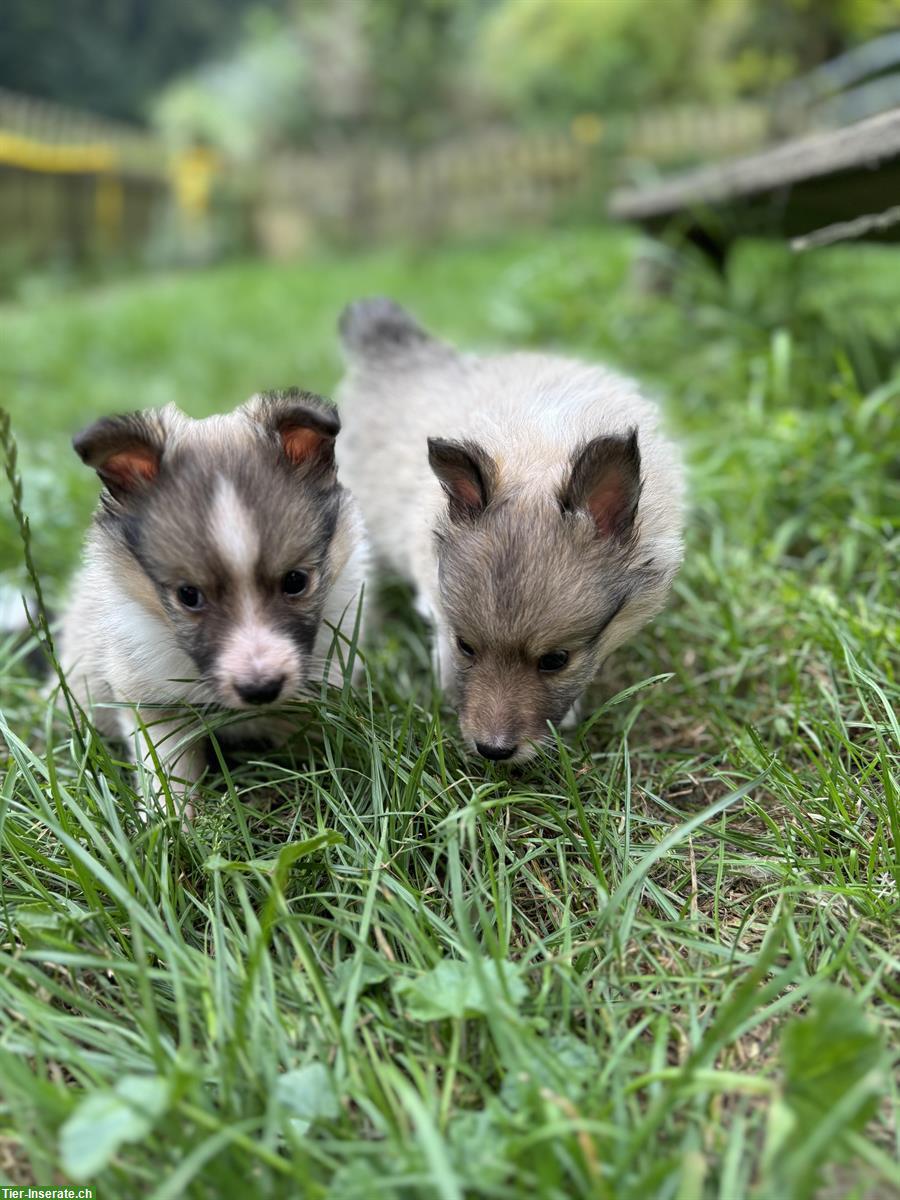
(532, 500)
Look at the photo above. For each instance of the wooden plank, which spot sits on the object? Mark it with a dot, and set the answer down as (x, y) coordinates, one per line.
(814, 180)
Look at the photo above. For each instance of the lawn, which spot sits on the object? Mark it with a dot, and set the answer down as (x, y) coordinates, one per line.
(662, 963)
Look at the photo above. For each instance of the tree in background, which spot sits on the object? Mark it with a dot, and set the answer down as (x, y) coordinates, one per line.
(554, 58)
(249, 75)
(110, 56)
(393, 71)
(259, 95)
(558, 57)
(419, 82)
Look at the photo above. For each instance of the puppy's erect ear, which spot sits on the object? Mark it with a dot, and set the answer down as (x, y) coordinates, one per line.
(605, 481)
(306, 424)
(125, 451)
(467, 474)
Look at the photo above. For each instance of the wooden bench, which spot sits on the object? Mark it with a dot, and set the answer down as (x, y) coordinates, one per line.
(845, 179)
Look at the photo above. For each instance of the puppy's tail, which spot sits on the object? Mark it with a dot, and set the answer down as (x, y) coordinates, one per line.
(379, 329)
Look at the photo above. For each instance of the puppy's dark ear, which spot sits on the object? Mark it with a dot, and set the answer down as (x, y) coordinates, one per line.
(125, 451)
(305, 423)
(467, 474)
(605, 481)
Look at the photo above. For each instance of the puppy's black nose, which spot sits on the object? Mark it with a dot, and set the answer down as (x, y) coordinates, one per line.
(262, 691)
(497, 753)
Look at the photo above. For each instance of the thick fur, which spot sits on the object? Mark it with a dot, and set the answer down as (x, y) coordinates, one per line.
(229, 506)
(532, 500)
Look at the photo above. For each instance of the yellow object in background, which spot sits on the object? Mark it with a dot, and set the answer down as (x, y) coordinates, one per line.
(109, 204)
(587, 128)
(193, 175)
(29, 155)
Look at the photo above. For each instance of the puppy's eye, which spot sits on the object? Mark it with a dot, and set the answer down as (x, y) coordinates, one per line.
(554, 661)
(294, 583)
(190, 596)
(466, 649)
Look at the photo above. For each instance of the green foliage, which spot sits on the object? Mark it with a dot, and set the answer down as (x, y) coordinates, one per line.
(419, 85)
(384, 70)
(661, 963)
(825, 1054)
(257, 96)
(833, 1062)
(561, 57)
(308, 1094)
(461, 989)
(110, 56)
(249, 74)
(106, 1120)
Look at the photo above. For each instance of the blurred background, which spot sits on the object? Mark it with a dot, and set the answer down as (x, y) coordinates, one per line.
(136, 134)
(191, 190)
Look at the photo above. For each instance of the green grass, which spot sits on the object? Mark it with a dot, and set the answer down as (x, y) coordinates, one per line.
(662, 963)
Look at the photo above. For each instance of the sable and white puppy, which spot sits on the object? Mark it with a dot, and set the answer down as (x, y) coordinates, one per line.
(223, 556)
(533, 502)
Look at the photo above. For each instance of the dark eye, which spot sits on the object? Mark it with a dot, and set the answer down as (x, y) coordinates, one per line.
(554, 661)
(294, 583)
(190, 596)
(467, 650)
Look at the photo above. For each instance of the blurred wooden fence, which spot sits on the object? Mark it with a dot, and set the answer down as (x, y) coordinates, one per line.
(363, 193)
(75, 185)
(484, 181)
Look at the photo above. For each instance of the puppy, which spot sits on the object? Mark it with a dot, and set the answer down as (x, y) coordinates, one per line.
(531, 500)
(223, 557)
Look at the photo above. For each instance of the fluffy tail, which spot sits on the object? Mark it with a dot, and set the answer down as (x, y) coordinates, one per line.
(380, 328)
